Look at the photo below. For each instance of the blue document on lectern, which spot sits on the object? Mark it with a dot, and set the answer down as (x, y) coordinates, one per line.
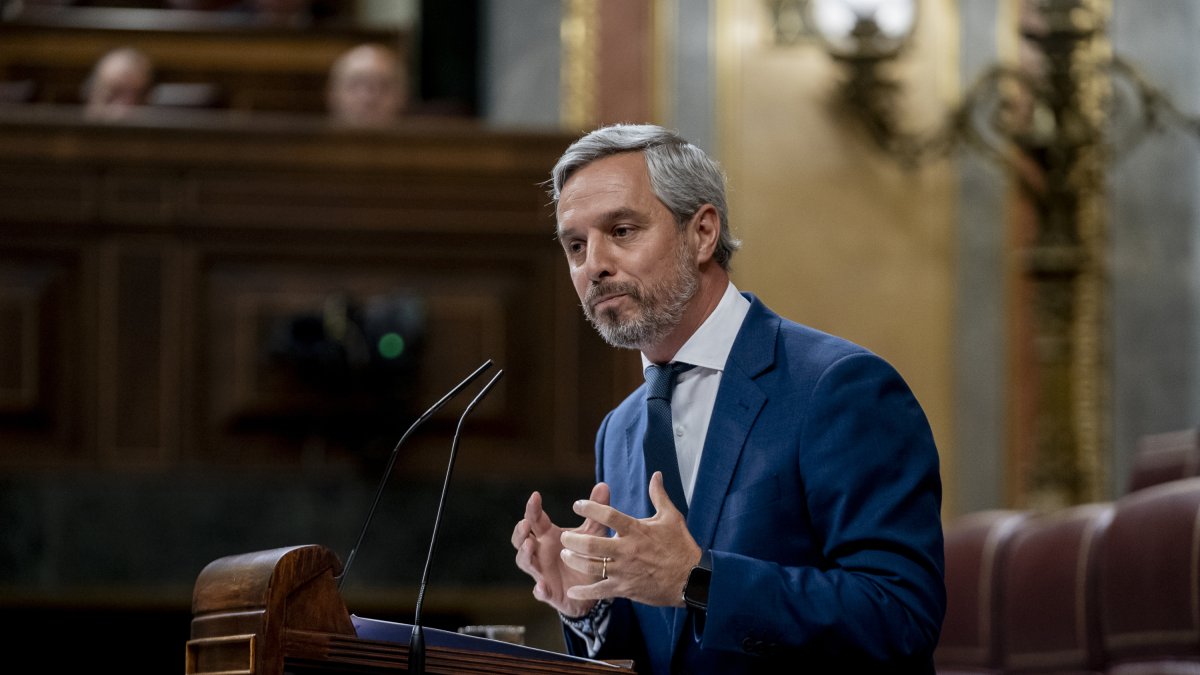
(390, 631)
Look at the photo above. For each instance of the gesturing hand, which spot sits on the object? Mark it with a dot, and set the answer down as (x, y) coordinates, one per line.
(538, 542)
(648, 560)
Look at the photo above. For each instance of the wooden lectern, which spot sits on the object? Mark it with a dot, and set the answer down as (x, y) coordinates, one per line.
(277, 611)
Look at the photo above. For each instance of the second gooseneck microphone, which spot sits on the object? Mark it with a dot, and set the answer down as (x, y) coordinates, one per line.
(416, 642)
(396, 451)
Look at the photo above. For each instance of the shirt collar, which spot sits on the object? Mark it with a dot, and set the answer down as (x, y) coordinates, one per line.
(710, 345)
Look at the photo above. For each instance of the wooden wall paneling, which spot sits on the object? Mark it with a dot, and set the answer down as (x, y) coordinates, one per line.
(21, 379)
(189, 297)
(484, 298)
(138, 196)
(203, 240)
(43, 347)
(138, 339)
(318, 198)
(568, 441)
(44, 192)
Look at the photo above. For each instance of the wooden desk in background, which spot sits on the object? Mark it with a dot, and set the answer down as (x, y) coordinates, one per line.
(251, 67)
(144, 265)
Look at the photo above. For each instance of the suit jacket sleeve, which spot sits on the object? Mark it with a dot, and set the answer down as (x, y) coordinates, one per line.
(871, 488)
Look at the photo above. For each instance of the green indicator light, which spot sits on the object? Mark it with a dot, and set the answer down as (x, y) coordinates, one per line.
(391, 345)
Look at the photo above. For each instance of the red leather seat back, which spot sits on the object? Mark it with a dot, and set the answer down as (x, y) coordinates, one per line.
(1049, 609)
(1164, 457)
(1150, 579)
(976, 546)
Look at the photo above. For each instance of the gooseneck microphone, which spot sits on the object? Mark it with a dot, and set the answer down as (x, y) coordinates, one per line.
(416, 641)
(396, 451)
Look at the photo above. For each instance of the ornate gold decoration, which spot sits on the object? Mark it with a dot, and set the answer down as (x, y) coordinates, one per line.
(1054, 120)
(577, 97)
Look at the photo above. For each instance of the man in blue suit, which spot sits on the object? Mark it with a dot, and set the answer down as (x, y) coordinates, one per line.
(795, 525)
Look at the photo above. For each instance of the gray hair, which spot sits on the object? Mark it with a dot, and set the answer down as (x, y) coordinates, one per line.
(682, 176)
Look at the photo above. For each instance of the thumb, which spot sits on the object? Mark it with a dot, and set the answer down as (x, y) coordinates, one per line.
(533, 507)
(659, 497)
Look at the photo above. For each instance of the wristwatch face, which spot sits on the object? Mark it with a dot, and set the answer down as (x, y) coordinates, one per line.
(695, 594)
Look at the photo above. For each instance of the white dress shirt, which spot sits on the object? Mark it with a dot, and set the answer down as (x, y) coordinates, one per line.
(696, 389)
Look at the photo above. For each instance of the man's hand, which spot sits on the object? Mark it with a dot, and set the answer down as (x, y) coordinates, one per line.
(648, 560)
(538, 542)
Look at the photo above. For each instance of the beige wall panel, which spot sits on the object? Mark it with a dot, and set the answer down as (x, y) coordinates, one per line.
(835, 234)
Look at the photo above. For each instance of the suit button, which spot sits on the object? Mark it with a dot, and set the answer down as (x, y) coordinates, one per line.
(751, 646)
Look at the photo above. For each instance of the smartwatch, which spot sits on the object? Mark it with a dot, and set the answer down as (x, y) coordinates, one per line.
(695, 592)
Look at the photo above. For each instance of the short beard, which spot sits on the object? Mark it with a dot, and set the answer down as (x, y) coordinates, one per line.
(660, 307)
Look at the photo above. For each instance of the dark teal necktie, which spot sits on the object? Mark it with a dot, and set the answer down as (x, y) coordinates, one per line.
(659, 442)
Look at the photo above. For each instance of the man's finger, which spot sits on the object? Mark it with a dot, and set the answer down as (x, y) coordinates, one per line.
(526, 561)
(538, 520)
(605, 515)
(520, 533)
(600, 495)
(589, 545)
(588, 565)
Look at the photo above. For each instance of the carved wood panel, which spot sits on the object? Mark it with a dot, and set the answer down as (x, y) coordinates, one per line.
(44, 348)
(223, 297)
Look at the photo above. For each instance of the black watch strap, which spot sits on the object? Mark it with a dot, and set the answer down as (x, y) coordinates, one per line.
(695, 593)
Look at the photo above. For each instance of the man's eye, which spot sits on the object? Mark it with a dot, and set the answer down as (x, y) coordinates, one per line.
(622, 231)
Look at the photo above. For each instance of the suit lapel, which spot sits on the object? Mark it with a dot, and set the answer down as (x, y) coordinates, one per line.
(739, 401)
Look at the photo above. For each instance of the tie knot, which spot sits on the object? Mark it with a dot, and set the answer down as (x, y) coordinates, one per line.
(661, 379)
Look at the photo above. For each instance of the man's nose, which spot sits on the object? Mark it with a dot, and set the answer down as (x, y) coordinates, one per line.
(598, 264)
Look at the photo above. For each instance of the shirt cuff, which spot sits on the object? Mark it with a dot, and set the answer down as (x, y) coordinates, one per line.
(591, 627)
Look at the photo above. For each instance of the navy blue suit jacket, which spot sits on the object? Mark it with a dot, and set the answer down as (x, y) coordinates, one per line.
(819, 497)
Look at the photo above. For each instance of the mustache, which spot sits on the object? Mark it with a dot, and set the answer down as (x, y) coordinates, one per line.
(604, 289)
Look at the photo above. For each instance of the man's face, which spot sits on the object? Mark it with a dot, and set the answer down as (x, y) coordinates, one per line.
(633, 270)
(367, 89)
(121, 85)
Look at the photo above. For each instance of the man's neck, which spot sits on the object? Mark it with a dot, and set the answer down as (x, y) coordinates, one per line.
(713, 283)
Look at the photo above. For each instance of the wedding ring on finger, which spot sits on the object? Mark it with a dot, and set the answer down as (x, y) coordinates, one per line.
(604, 567)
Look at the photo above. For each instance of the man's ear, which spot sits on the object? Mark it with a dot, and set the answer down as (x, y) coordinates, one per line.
(705, 227)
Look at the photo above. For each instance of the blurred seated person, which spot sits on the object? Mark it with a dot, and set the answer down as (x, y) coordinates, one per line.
(119, 82)
(368, 87)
